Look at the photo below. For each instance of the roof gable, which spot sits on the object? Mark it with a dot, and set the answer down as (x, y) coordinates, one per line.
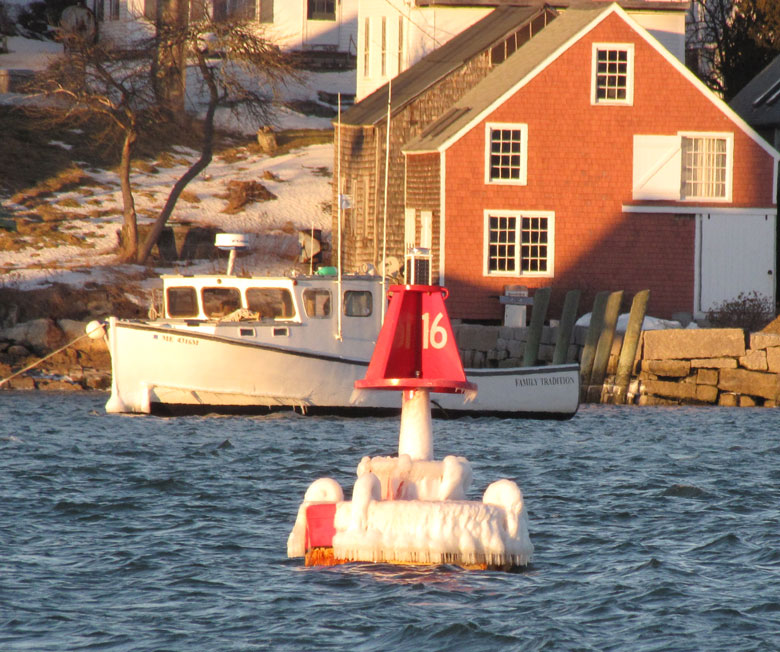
(759, 102)
(534, 57)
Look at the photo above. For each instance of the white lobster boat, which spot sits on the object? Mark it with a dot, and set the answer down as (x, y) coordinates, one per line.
(227, 343)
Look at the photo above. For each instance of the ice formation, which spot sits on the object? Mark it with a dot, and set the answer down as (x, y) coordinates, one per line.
(411, 508)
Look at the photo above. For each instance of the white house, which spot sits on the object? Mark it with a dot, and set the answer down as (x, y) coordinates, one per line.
(394, 34)
(296, 25)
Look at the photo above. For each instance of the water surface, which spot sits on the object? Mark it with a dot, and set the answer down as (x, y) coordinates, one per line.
(654, 529)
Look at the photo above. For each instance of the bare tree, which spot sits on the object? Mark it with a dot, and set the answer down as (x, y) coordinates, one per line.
(230, 64)
(730, 41)
(91, 81)
(234, 67)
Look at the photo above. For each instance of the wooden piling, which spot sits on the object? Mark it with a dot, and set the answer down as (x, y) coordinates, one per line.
(630, 344)
(565, 328)
(604, 347)
(591, 339)
(538, 315)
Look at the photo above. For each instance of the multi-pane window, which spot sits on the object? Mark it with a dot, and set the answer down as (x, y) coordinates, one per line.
(613, 72)
(224, 10)
(502, 244)
(518, 243)
(108, 9)
(533, 244)
(705, 164)
(321, 10)
(506, 153)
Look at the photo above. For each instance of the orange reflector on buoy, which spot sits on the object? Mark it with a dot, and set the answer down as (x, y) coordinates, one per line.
(416, 346)
(319, 525)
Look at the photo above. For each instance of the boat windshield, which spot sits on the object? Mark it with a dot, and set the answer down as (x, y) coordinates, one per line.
(219, 302)
(182, 302)
(274, 303)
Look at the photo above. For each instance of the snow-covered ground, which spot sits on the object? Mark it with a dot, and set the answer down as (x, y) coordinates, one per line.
(300, 179)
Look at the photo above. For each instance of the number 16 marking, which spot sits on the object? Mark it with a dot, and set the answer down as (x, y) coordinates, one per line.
(434, 333)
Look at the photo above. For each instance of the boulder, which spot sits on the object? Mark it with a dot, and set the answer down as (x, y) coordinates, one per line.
(695, 343)
(754, 383)
(39, 335)
(669, 368)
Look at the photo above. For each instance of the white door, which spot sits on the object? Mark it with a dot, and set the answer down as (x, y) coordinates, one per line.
(736, 253)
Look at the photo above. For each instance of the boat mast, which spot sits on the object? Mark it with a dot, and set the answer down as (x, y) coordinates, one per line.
(384, 219)
(338, 214)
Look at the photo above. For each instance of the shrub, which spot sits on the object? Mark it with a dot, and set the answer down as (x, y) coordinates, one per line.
(751, 311)
(7, 23)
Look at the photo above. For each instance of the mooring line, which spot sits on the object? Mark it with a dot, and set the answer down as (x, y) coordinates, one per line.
(46, 357)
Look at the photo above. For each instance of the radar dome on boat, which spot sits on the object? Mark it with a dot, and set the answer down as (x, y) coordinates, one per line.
(231, 242)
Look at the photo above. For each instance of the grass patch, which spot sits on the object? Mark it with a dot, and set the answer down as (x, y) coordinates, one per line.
(69, 202)
(190, 197)
(65, 180)
(170, 160)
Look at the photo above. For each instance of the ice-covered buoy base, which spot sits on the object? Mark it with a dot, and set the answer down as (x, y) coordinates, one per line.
(413, 512)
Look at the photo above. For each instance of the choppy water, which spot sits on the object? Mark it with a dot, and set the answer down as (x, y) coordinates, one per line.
(655, 529)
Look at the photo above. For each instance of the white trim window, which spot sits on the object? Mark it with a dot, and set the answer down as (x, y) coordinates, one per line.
(321, 10)
(706, 166)
(519, 243)
(506, 153)
(612, 76)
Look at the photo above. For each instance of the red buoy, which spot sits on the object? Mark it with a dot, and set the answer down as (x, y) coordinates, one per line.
(416, 347)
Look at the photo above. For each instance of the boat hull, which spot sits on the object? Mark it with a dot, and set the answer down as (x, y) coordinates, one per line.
(160, 369)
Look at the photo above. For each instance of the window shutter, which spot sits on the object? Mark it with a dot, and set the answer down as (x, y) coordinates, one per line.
(657, 167)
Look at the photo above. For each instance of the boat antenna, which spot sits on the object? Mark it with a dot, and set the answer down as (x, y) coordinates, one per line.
(338, 214)
(311, 258)
(384, 219)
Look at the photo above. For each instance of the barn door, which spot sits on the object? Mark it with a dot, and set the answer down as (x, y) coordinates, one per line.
(736, 253)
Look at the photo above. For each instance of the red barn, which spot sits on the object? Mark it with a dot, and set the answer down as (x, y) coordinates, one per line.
(592, 158)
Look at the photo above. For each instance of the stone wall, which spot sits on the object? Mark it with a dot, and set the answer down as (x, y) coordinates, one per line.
(721, 366)
(504, 346)
(708, 366)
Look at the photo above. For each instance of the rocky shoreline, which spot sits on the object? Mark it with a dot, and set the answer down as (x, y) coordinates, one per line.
(75, 361)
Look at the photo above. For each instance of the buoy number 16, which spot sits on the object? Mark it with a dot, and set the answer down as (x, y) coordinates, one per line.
(434, 333)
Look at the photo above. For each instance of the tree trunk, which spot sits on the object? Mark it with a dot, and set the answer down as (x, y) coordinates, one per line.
(128, 237)
(195, 169)
(170, 65)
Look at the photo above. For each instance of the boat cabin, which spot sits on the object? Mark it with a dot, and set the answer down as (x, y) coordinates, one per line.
(306, 313)
(232, 298)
